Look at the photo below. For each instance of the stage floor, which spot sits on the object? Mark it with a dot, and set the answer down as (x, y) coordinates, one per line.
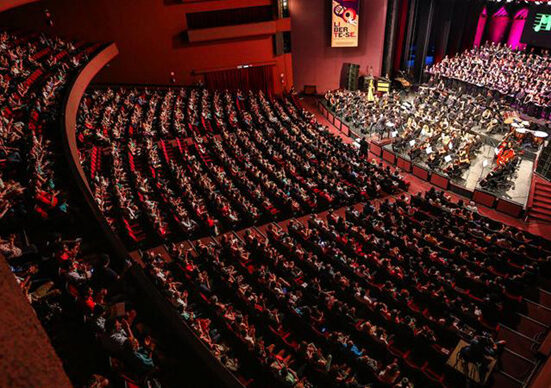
(519, 188)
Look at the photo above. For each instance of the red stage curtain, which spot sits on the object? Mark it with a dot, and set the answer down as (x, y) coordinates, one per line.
(404, 7)
(499, 24)
(253, 78)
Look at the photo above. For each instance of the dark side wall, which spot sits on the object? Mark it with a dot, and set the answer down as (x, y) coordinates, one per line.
(28, 358)
(148, 34)
(314, 61)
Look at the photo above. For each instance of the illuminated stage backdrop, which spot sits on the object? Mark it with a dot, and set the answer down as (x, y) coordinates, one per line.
(537, 29)
(345, 23)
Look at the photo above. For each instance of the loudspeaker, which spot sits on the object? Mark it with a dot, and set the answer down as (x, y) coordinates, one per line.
(349, 76)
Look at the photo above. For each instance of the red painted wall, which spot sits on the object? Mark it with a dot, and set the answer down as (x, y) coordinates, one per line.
(148, 34)
(314, 61)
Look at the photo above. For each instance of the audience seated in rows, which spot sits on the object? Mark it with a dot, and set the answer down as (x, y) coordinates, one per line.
(34, 70)
(268, 160)
(380, 305)
(523, 77)
(59, 271)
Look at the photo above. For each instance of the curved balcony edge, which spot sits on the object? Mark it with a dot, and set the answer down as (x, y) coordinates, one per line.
(9, 4)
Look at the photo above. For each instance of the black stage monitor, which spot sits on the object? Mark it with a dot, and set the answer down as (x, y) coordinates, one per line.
(537, 30)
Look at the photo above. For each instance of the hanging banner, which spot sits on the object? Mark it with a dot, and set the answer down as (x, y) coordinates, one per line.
(345, 23)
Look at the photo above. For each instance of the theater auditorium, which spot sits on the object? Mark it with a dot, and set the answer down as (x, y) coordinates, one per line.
(275, 193)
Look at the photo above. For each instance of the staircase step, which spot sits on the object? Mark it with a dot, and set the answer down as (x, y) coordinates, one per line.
(542, 195)
(530, 327)
(543, 183)
(543, 200)
(538, 312)
(539, 216)
(503, 380)
(544, 297)
(544, 189)
(542, 209)
(515, 365)
(519, 343)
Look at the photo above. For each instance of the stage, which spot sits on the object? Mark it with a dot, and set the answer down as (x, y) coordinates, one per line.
(513, 192)
(518, 191)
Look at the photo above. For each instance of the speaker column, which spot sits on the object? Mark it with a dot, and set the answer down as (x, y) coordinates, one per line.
(349, 76)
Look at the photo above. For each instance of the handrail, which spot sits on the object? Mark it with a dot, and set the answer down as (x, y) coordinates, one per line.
(9, 4)
(172, 319)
